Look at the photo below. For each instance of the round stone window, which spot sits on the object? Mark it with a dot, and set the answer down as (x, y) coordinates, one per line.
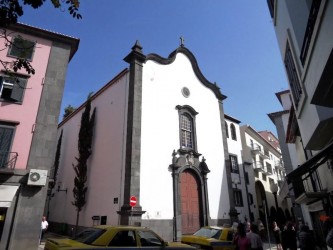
(185, 92)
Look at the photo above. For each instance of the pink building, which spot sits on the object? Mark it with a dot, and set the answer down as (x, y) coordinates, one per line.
(29, 110)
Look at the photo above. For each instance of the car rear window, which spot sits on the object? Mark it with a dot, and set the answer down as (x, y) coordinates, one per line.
(88, 236)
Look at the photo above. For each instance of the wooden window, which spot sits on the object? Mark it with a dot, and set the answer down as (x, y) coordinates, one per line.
(233, 132)
(12, 88)
(187, 136)
(234, 164)
(294, 82)
(309, 29)
(186, 131)
(238, 199)
(6, 138)
(21, 48)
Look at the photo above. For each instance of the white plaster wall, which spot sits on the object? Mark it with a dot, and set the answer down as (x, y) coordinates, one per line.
(251, 188)
(310, 115)
(235, 148)
(161, 93)
(286, 101)
(105, 174)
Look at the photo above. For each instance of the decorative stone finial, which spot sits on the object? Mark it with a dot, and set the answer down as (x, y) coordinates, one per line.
(137, 46)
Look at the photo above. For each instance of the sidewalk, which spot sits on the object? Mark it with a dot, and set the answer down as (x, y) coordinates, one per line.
(48, 235)
(266, 246)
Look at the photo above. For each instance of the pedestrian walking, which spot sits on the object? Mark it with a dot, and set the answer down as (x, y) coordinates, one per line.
(305, 238)
(241, 241)
(262, 231)
(288, 237)
(254, 237)
(328, 230)
(276, 232)
(44, 226)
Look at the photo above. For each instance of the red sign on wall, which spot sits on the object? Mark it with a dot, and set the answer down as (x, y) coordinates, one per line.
(132, 201)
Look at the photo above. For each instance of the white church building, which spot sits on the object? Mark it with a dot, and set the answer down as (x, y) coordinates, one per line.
(159, 136)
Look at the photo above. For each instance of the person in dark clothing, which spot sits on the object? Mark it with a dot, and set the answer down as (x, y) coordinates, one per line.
(276, 232)
(305, 238)
(288, 236)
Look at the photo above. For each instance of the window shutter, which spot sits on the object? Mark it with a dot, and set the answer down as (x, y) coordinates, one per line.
(1, 78)
(6, 135)
(18, 89)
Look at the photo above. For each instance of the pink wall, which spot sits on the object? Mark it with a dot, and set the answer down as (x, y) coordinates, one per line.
(26, 112)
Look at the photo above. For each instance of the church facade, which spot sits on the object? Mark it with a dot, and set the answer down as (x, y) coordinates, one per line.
(159, 136)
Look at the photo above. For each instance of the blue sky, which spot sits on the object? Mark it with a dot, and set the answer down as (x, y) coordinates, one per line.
(233, 41)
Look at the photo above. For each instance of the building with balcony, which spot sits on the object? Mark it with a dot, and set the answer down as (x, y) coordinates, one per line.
(239, 179)
(305, 38)
(264, 168)
(29, 110)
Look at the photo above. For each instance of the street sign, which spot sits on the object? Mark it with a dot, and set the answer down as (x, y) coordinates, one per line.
(132, 201)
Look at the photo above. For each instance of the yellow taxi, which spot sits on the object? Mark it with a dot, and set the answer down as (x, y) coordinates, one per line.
(112, 237)
(211, 238)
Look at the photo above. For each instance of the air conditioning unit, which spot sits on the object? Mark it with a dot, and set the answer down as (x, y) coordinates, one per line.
(37, 177)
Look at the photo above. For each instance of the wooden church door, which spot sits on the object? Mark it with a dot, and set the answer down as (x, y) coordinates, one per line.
(189, 203)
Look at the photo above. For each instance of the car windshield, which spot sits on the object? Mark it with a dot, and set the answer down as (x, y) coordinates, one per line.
(209, 233)
(88, 236)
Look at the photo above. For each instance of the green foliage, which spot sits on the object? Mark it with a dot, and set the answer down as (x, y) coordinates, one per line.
(56, 160)
(11, 10)
(68, 110)
(84, 148)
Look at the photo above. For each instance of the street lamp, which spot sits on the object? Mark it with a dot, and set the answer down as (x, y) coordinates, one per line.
(274, 189)
(61, 190)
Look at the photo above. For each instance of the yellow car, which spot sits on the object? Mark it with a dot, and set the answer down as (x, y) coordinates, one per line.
(211, 238)
(112, 237)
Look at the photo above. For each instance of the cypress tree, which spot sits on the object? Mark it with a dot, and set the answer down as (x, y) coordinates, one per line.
(80, 168)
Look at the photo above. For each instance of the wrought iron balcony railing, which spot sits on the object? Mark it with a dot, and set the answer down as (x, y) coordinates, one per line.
(259, 166)
(8, 159)
(307, 190)
(309, 29)
(269, 170)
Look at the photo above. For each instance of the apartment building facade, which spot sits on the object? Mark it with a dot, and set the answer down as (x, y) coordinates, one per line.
(29, 110)
(239, 180)
(305, 38)
(265, 171)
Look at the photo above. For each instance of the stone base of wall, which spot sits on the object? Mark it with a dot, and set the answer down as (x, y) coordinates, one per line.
(220, 222)
(64, 228)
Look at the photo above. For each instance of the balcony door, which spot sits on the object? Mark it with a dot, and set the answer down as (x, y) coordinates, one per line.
(6, 135)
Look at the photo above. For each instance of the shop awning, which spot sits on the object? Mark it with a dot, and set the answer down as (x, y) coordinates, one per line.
(7, 194)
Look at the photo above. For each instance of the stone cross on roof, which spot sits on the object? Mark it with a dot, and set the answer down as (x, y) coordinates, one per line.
(182, 41)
